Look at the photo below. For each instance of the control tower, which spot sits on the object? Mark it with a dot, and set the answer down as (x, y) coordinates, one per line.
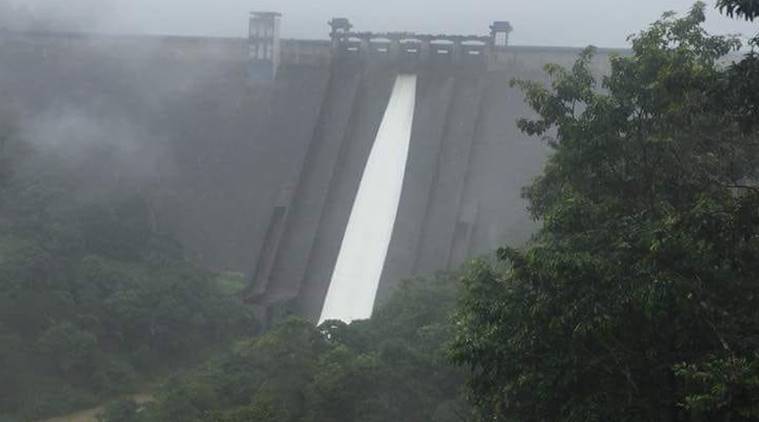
(264, 44)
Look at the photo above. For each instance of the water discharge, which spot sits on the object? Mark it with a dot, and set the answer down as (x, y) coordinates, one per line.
(359, 265)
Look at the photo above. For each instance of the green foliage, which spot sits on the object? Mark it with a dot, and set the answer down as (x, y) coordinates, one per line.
(69, 348)
(393, 367)
(120, 411)
(635, 302)
(746, 9)
(93, 299)
(261, 410)
(232, 284)
(721, 388)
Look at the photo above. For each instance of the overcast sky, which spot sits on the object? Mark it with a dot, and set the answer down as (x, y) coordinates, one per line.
(536, 22)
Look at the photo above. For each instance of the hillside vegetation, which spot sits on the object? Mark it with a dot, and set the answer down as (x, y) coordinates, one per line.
(637, 300)
(93, 300)
(393, 367)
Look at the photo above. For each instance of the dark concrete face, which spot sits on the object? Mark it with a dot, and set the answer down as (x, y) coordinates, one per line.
(259, 177)
(467, 165)
(462, 189)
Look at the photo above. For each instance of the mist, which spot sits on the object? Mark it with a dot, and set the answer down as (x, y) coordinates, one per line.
(202, 218)
(544, 22)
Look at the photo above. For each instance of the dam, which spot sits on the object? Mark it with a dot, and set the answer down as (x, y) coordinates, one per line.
(327, 171)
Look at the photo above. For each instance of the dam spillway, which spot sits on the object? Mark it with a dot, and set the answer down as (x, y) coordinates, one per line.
(358, 269)
(256, 168)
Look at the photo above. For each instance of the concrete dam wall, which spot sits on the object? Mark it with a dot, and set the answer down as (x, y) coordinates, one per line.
(261, 176)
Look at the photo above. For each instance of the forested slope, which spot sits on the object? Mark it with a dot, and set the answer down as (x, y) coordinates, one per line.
(94, 299)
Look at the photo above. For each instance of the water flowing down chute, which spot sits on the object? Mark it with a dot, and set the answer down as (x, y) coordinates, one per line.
(357, 272)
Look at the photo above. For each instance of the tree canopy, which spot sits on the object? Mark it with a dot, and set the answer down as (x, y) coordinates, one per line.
(636, 300)
(746, 9)
(393, 367)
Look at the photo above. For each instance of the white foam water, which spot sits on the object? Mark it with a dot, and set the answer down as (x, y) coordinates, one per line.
(356, 277)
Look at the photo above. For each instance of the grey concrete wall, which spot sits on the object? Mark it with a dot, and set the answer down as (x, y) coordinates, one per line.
(453, 160)
(462, 195)
(314, 180)
(259, 177)
(366, 117)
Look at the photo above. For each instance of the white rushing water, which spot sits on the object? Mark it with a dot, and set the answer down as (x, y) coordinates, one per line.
(358, 269)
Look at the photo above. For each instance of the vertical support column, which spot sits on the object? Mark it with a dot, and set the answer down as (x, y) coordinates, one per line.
(395, 48)
(365, 50)
(457, 54)
(272, 240)
(426, 48)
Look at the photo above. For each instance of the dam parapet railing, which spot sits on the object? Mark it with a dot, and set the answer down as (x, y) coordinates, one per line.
(267, 50)
(401, 47)
(408, 50)
(412, 48)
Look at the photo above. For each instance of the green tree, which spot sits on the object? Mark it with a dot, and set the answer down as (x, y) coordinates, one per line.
(120, 411)
(747, 9)
(71, 349)
(93, 299)
(636, 300)
(741, 82)
(393, 367)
